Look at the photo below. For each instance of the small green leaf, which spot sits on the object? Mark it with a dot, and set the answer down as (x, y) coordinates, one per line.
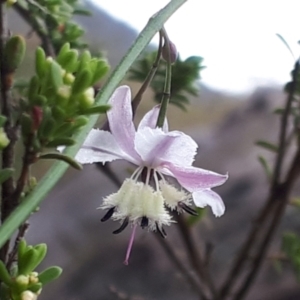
(267, 146)
(100, 109)
(2, 120)
(101, 70)
(82, 81)
(41, 251)
(5, 174)
(4, 274)
(49, 275)
(58, 113)
(22, 246)
(265, 166)
(35, 287)
(27, 261)
(59, 156)
(62, 53)
(14, 52)
(40, 62)
(56, 75)
(26, 125)
(33, 89)
(70, 61)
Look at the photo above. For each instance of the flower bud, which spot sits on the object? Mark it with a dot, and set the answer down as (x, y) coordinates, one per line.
(69, 78)
(170, 55)
(64, 92)
(28, 295)
(22, 280)
(4, 141)
(33, 277)
(87, 99)
(10, 3)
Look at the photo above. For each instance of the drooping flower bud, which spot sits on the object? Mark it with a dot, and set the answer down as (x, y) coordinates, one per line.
(171, 53)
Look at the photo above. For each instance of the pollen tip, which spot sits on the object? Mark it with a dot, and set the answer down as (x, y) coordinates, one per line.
(125, 262)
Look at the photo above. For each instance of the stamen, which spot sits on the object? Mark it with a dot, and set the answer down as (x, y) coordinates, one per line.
(144, 222)
(188, 209)
(148, 176)
(108, 215)
(156, 181)
(161, 231)
(137, 173)
(126, 261)
(123, 226)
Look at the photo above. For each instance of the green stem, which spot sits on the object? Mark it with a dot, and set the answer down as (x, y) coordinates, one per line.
(167, 88)
(21, 213)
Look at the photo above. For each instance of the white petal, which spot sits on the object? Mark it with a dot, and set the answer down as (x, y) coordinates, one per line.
(209, 197)
(152, 145)
(157, 147)
(100, 146)
(150, 119)
(120, 120)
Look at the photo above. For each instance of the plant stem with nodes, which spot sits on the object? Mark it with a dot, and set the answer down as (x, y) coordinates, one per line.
(272, 211)
(6, 109)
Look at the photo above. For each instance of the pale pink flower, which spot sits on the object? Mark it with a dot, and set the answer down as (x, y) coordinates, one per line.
(142, 199)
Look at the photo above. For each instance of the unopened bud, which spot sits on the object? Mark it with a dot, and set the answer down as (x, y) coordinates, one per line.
(9, 3)
(69, 78)
(22, 280)
(4, 141)
(87, 98)
(64, 92)
(171, 54)
(33, 277)
(28, 295)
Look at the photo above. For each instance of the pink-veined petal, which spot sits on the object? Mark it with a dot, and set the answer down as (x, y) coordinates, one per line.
(157, 147)
(100, 146)
(150, 119)
(194, 179)
(209, 197)
(120, 120)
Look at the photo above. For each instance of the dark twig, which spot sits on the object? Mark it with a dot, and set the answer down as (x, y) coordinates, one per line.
(283, 127)
(194, 256)
(269, 210)
(282, 199)
(180, 266)
(31, 20)
(12, 255)
(6, 110)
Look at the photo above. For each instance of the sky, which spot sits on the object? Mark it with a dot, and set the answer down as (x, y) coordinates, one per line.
(236, 38)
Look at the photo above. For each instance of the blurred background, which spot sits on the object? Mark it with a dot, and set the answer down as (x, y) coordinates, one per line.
(240, 88)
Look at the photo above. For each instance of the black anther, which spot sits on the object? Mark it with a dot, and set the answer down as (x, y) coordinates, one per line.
(188, 209)
(108, 214)
(123, 226)
(144, 222)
